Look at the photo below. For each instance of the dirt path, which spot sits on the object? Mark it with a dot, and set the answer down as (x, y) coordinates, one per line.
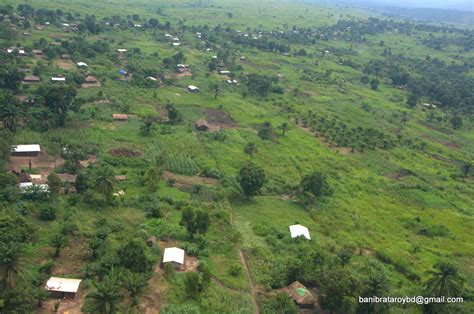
(243, 259)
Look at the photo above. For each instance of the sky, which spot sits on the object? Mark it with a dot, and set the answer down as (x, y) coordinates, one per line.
(467, 5)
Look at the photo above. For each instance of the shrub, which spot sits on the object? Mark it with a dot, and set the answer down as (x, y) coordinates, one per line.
(47, 213)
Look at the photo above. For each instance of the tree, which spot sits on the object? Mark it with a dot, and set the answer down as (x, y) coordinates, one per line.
(146, 128)
(266, 132)
(250, 148)
(339, 291)
(283, 128)
(11, 263)
(279, 303)
(374, 84)
(54, 183)
(153, 176)
(133, 256)
(312, 187)
(251, 179)
(174, 115)
(58, 241)
(10, 110)
(412, 100)
(456, 122)
(60, 99)
(134, 283)
(466, 168)
(104, 181)
(215, 87)
(10, 77)
(445, 280)
(81, 183)
(194, 284)
(106, 297)
(195, 221)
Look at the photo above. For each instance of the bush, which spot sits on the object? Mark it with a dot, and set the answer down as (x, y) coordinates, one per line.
(47, 213)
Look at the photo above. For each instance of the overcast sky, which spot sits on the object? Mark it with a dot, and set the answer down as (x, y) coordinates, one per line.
(452, 4)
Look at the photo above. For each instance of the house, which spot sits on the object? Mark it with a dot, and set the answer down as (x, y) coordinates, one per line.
(91, 81)
(26, 150)
(39, 27)
(193, 89)
(22, 52)
(66, 57)
(121, 50)
(67, 178)
(120, 178)
(58, 79)
(224, 72)
(242, 58)
(26, 34)
(37, 52)
(120, 117)
(181, 68)
(175, 256)
(302, 296)
(82, 65)
(232, 81)
(31, 79)
(63, 287)
(176, 44)
(202, 125)
(299, 231)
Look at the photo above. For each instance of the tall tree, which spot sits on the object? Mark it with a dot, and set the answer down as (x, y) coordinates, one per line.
(445, 280)
(251, 179)
(104, 181)
(11, 263)
(60, 99)
(134, 283)
(54, 183)
(106, 297)
(312, 187)
(10, 110)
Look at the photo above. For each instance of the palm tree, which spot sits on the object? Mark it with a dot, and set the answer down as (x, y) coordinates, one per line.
(134, 283)
(444, 281)
(283, 128)
(106, 297)
(104, 181)
(58, 241)
(11, 263)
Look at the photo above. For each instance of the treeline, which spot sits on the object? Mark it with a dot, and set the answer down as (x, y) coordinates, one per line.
(446, 84)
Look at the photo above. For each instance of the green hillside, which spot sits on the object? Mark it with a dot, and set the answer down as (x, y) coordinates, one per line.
(356, 126)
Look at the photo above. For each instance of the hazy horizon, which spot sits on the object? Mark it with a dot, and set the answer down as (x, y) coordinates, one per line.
(443, 4)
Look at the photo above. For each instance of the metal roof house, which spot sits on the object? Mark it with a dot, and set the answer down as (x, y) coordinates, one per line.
(26, 150)
(299, 231)
(193, 89)
(63, 287)
(175, 256)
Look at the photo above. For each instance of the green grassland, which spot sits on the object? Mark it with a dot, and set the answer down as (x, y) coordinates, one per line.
(371, 210)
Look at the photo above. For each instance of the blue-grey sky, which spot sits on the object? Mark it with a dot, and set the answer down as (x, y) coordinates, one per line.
(451, 4)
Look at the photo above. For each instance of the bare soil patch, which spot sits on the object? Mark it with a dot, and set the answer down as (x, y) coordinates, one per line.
(66, 306)
(43, 162)
(451, 145)
(72, 258)
(218, 119)
(92, 159)
(399, 174)
(65, 64)
(124, 152)
(185, 183)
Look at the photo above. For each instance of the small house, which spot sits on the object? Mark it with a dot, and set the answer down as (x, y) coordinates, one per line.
(120, 178)
(67, 178)
(175, 44)
(193, 89)
(82, 65)
(30, 150)
(37, 52)
(202, 125)
(66, 57)
(63, 287)
(175, 256)
(224, 72)
(120, 117)
(31, 79)
(121, 50)
(91, 80)
(302, 296)
(39, 27)
(299, 231)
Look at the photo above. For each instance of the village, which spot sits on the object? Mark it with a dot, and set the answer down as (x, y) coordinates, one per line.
(231, 158)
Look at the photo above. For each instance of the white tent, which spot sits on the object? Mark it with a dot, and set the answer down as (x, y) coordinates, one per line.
(173, 254)
(299, 231)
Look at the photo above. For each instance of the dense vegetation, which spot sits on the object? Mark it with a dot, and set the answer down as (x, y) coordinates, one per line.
(355, 126)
